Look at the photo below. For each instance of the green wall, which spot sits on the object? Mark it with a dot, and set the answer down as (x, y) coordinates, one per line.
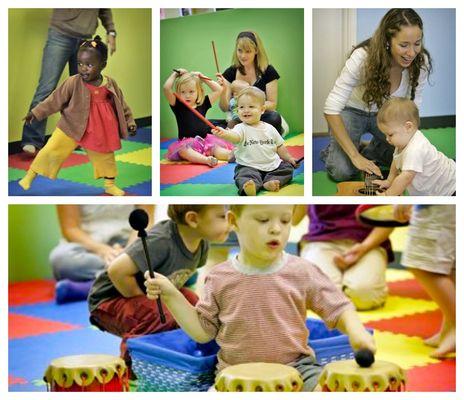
(33, 230)
(186, 42)
(130, 65)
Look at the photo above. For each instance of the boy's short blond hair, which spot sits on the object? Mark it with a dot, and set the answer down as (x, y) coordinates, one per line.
(254, 92)
(398, 110)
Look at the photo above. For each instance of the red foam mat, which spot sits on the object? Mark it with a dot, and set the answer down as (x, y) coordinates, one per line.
(175, 173)
(22, 160)
(296, 151)
(30, 292)
(408, 288)
(20, 326)
(423, 325)
(439, 377)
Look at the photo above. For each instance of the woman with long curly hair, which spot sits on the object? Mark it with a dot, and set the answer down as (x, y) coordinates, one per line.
(392, 63)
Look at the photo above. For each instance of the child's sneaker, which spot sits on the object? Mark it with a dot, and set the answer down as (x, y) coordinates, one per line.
(67, 291)
(29, 149)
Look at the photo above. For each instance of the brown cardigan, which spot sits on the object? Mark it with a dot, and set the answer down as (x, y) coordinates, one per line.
(72, 98)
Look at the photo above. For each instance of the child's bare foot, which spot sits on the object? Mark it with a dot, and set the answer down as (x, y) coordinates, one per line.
(272, 186)
(249, 188)
(212, 161)
(25, 183)
(447, 345)
(433, 341)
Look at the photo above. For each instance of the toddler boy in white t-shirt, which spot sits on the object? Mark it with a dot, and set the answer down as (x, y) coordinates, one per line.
(417, 165)
(263, 161)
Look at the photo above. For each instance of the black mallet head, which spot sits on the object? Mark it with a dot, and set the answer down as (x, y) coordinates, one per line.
(138, 220)
(364, 358)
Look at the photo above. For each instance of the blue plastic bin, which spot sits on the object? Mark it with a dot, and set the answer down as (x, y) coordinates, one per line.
(172, 362)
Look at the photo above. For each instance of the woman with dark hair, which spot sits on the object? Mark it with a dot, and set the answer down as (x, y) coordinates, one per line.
(250, 64)
(392, 63)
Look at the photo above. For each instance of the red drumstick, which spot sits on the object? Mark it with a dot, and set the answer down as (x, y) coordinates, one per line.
(194, 111)
(215, 56)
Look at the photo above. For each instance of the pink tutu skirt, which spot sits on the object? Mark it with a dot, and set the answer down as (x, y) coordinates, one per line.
(201, 145)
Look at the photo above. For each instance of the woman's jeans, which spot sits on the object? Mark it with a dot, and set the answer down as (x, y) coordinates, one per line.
(357, 123)
(59, 50)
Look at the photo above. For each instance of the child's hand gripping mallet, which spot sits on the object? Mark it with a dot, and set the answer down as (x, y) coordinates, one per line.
(194, 111)
(138, 220)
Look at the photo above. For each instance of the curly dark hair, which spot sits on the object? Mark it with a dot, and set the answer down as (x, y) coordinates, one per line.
(376, 72)
(96, 44)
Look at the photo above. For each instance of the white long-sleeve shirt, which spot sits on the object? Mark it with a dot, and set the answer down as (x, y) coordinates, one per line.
(349, 88)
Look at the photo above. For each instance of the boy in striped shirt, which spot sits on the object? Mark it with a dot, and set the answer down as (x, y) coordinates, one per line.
(255, 305)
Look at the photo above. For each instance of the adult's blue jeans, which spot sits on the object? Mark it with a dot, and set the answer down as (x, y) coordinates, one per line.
(357, 123)
(59, 50)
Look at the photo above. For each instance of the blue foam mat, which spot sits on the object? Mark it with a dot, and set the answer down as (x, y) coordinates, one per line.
(299, 170)
(57, 187)
(223, 174)
(32, 355)
(141, 189)
(143, 136)
(72, 313)
(319, 143)
(167, 143)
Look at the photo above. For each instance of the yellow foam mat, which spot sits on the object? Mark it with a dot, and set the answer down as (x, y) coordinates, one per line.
(406, 351)
(140, 157)
(295, 141)
(395, 275)
(289, 190)
(396, 306)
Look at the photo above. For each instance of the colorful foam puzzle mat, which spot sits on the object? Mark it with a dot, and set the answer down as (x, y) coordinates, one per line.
(40, 330)
(444, 139)
(185, 179)
(76, 176)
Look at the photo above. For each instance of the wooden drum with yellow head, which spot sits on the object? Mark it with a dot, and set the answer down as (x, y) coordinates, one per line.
(259, 377)
(347, 376)
(87, 373)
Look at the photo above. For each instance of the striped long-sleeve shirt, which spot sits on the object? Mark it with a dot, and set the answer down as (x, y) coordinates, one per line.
(259, 315)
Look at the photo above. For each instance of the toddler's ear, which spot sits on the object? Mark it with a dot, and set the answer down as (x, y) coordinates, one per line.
(191, 219)
(232, 219)
(410, 126)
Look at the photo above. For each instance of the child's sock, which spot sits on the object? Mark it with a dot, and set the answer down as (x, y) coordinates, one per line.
(112, 189)
(25, 183)
(67, 291)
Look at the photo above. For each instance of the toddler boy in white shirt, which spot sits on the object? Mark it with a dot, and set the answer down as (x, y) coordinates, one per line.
(263, 161)
(417, 165)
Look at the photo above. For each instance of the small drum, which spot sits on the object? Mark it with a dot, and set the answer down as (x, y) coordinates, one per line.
(259, 377)
(347, 376)
(87, 373)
